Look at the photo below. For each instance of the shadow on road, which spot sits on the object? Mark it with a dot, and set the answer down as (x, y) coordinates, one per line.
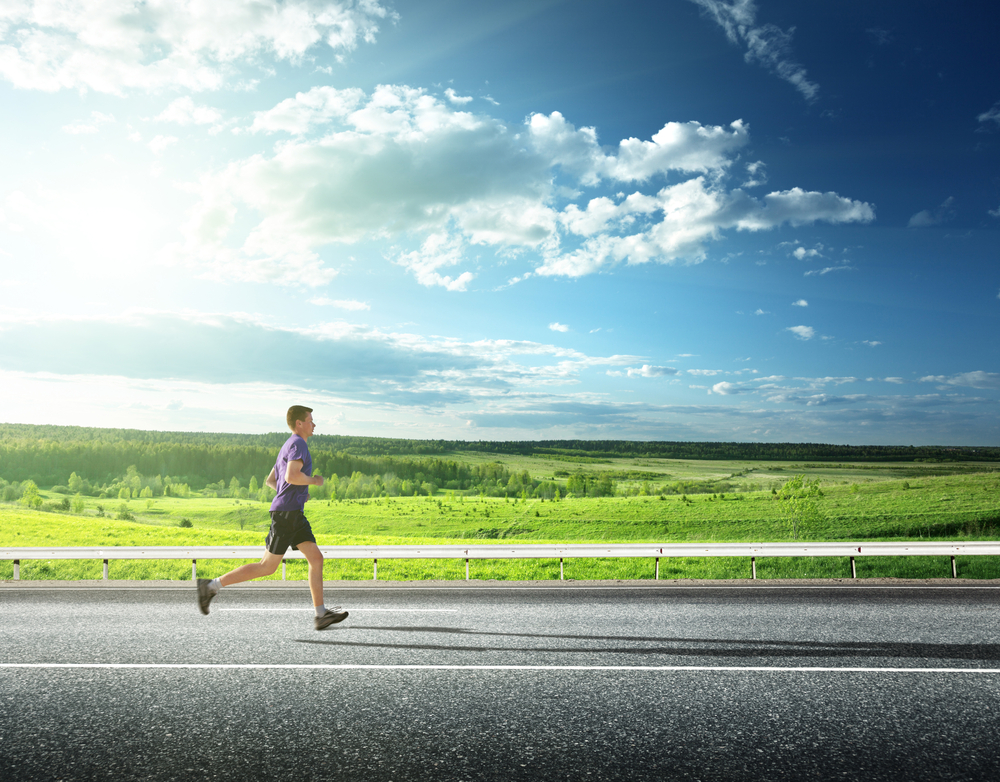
(677, 647)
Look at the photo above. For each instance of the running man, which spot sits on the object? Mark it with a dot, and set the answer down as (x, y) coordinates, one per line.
(290, 477)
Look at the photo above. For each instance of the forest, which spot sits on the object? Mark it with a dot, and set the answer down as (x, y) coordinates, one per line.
(108, 462)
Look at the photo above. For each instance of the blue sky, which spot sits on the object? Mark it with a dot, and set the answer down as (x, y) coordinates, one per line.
(672, 220)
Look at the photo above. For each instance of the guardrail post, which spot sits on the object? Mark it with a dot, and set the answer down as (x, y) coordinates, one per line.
(753, 568)
(561, 569)
(17, 570)
(656, 572)
(282, 570)
(194, 570)
(954, 568)
(105, 570)
(375, 571)
(854, 569)
(466, 568)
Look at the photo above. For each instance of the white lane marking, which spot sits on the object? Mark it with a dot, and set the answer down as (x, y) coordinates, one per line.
(618, 668)
(569, 587)
(355, 608)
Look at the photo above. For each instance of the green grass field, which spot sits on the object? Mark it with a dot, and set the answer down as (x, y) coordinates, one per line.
(859, 502)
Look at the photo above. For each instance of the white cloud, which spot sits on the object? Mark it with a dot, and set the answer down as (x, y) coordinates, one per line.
(343, 304)
(159, 143)
(931, 217)
(647, 370)
(400, 164)
(759, 311)
(726, 388)
(802, 253)
(558, 327)
(828, 270)
(756, 173)
(184, 111)
(117, 46)
(458, 100)
(800, 303)
(991, 115)
(871, 343)
(96, 120)
(694, 212)
(880, 36)
(767, 45)
(360, 365)
(689, 147)
(438, 250)
(820, 382)
(979, 379)
(802, 332)
(800, 207)
(306, 110)
(595, 218)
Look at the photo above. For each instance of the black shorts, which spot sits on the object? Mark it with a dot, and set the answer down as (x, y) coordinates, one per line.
(288, 528)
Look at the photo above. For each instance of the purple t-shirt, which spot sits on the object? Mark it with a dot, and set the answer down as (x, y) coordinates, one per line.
(291, 497)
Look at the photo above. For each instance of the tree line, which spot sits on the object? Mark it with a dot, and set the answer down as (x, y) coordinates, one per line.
(108, 461)
(719, 451)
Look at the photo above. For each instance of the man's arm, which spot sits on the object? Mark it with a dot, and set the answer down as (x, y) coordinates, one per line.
(295, 476)
(272, 480)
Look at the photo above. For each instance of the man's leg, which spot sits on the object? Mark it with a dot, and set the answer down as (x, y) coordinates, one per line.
(324, 617)
(315, 558)
(208, 589)
(267, 565)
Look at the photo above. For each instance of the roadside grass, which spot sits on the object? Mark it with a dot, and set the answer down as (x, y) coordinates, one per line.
(955, 505)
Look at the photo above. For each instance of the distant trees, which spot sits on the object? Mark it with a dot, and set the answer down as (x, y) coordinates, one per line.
(9, 492)
(580, 485)
(30, 497)
(126, 464)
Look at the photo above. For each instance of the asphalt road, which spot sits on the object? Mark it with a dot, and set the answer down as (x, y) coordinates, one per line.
(565, 682)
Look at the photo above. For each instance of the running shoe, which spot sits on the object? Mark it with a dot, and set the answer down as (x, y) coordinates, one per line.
(205, 595)
(331, 617)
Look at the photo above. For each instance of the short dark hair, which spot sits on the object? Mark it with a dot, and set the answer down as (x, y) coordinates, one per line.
(297, 413)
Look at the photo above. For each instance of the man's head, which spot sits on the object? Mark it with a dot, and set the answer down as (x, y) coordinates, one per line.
(299, 420)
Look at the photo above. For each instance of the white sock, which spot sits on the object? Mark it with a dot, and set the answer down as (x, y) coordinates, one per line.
(320, 610)
(214, 586)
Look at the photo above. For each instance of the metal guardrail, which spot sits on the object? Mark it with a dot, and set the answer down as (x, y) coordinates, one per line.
(753, 551)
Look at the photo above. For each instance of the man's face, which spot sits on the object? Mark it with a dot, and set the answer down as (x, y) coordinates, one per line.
(305, 427)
